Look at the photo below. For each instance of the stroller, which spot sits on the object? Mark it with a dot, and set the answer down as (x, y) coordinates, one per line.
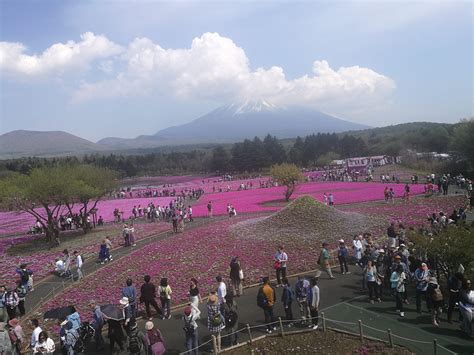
(86, 332)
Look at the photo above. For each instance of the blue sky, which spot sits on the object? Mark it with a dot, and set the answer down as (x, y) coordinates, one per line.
(125, 68)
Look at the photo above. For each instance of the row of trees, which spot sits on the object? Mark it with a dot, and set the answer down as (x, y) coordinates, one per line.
(47, 193)
(257, 154)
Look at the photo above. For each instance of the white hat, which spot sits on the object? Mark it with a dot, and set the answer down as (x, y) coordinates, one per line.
(381, 251)
(149, 325)
(124, 301)
(341, 241)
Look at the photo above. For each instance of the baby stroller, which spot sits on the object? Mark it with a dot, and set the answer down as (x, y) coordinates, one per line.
(86, 332)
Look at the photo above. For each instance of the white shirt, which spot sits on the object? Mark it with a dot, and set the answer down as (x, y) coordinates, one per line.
(47, 347)
(282, 258)
(315, 298)
(35, 336)
(221, 292)
(79, 261)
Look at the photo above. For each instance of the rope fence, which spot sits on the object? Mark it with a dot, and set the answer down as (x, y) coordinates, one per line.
(280, 331)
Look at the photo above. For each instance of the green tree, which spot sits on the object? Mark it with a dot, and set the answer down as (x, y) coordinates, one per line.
(46, 192)
(220, 160)
(450, 248)
(287, 175)
(462, 141)
(327, 158)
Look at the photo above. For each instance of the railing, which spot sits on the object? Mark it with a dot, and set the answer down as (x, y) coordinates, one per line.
(387, 337)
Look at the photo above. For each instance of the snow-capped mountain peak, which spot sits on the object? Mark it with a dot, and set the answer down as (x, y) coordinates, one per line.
(251, 106)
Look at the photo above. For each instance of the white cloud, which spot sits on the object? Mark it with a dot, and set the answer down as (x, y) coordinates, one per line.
(214, 68)
(56, 59)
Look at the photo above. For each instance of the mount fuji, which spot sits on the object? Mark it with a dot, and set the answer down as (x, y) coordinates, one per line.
(237, 121)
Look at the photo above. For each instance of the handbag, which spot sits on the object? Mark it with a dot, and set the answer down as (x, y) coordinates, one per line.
(277, 265)
(241, 274)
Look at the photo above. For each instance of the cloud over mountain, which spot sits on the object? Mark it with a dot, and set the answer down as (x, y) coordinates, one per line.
(213, 68)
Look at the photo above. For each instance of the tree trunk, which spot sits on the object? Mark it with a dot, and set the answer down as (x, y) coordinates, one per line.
(289, 191)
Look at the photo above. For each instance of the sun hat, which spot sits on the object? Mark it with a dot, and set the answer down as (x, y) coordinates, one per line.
(213, 298)
(398, 257)
(402, 245)
(341, 241)
(124, 301)
(187, 311)
(13, 322)
(381, 251)
(149, 325)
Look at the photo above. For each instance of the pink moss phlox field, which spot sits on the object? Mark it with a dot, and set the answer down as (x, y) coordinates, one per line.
(344, 193)
(40, 262)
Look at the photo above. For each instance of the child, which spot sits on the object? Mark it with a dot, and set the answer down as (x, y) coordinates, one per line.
(165, 297)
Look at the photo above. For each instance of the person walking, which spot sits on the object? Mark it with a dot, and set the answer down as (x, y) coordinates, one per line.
(148, 295)
(324, 261)
(236, 276)
(3, 307)
(215, 319)
(209, 209)
(11, 301)
(435, 300)
(191, 315)
(79, 263)
(454, 287)
(287, 297)
(35, 334)
(194, 295)
(266, 298)
(231, 318)
(21, 291)
(165, 297)
(130, 292)
(397, 280)
(314, 301)
(281, 258)
(97, 323)
(221, 291)
(115, 335)
(421, 276)
(358, 248)
(154, 340)
(370, 273)
(17, 336)
(342, 254)
(136, 340)
(302, 287)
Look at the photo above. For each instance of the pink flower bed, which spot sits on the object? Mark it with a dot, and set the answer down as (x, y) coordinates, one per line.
(20, 222)
(40, 262)
(344, 193)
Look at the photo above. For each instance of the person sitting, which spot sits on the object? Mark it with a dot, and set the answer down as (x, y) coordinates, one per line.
(59, 267)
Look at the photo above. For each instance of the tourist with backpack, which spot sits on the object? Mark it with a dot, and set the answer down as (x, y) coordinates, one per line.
(266, 298)
(136, 340)
(11, 303)
(130, 292)
(287, 299)
(191, 315)
(154, 340)
(342, 254)
(97, 323)
(165, 297)
(231, 318)
(6, 347)
(69, 337)
(301, 293)
(215, 319)
(21, 291)
(435, 300)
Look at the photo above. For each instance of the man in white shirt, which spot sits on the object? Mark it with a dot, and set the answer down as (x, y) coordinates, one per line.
(314, 304)
(221, 290)
(79, 264)
(35, 335)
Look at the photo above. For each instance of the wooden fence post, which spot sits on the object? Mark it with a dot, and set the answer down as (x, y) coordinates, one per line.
(390, 340)
(281, 327)
(250, 333)
(324, 321)
(214, 345)
(361, 333)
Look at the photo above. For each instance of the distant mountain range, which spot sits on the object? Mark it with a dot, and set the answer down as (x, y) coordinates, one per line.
(22, 143)
(238, 121)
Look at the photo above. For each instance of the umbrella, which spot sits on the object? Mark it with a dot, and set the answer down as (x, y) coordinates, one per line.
(111, 311)
(58, 313)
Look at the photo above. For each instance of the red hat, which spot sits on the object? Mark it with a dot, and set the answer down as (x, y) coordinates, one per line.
(187, 311)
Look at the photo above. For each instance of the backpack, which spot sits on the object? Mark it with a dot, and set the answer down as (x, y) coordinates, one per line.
(262, 300)
(188, 328)
(437, 294)
(300, 290)
(134, 344)
(230, 318)
(216, 319)
(25, 276)
(9, 302)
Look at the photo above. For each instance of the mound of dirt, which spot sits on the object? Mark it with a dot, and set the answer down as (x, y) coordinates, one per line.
(308, 220)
